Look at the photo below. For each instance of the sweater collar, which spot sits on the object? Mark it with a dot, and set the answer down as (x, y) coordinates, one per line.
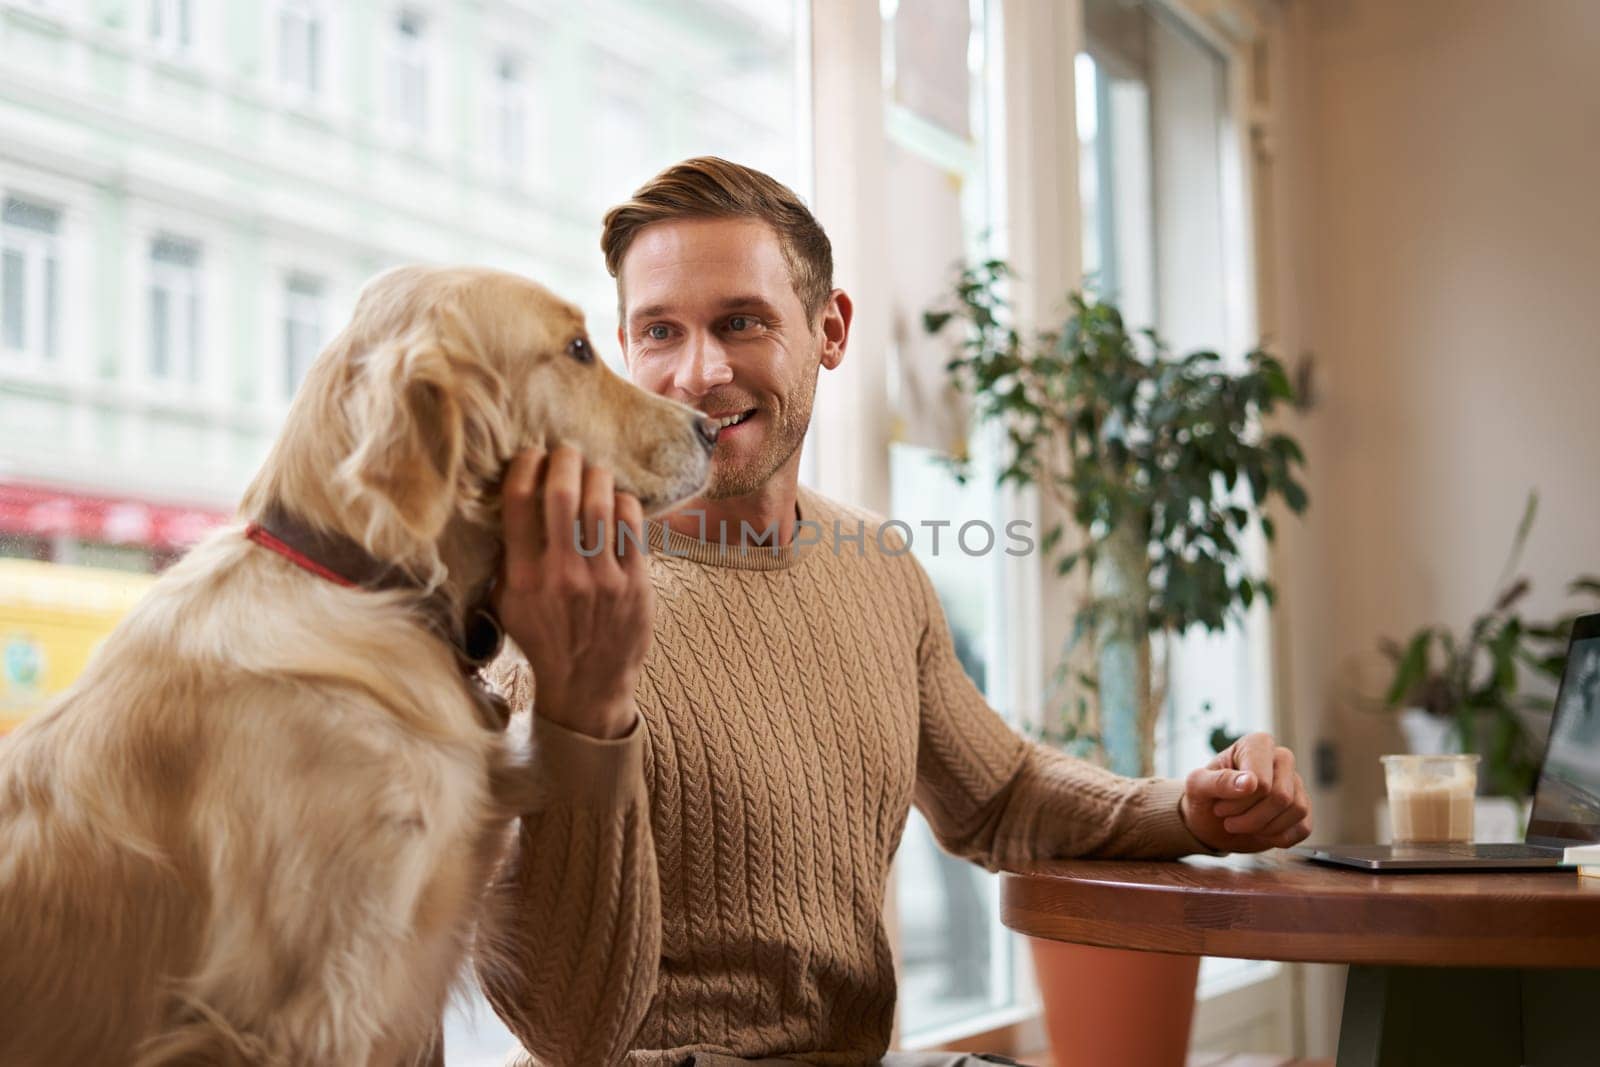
(715, 551)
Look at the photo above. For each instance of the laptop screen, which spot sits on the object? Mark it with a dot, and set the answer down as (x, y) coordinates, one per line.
(1566, 806)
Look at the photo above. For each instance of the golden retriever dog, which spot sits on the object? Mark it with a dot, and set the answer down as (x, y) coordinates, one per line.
(256, 829)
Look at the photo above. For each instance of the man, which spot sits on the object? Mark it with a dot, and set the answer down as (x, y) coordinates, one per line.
(706, 877)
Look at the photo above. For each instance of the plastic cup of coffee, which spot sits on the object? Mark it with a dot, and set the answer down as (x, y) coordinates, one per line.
(1430, 797)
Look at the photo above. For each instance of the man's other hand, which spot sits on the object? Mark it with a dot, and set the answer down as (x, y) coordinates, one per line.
(1248, 799)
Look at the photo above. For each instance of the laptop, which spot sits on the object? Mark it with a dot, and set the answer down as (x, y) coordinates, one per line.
(1566, 804)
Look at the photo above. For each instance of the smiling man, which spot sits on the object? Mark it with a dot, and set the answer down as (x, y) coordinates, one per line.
(705, 880)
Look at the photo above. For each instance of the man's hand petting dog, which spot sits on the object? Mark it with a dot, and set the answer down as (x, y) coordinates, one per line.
(1247, 799)
(583, 620)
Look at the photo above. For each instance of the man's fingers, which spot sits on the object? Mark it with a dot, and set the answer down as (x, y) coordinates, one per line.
(631, 543)
(1280, 798)
(1292, 816)
(1223, 785)
(1237, 777)
(1224, 808)
(1280, 770)
(562, 494)
(1254, 755)
(1295, 832)
(520, 504)
(596, 536)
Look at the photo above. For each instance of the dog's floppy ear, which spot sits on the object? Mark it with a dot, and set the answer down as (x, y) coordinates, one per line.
(407, 421)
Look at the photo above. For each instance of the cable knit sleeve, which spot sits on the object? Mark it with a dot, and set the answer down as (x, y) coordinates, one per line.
(572, 937)
(998, 800)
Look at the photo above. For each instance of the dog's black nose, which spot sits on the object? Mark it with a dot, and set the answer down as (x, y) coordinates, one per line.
(708, 432)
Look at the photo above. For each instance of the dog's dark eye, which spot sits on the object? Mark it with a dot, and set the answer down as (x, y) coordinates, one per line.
(579, 350)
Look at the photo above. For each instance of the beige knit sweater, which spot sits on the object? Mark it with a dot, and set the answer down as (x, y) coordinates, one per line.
(715, 881)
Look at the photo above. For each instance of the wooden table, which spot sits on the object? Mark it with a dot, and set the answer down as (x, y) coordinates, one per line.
(1446, 970)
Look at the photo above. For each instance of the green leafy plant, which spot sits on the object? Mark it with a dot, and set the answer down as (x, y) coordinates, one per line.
(1161, 465)
(1475, 678)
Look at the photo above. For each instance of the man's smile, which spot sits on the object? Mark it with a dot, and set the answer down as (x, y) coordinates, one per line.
(730, 420)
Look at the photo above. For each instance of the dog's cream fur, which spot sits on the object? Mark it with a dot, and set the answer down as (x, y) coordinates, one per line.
(255, 830)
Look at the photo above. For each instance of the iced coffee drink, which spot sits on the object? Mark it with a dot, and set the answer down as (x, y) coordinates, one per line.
(1430, 797)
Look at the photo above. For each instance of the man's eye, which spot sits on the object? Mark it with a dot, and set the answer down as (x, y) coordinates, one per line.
(657, 333)
(579, 350)
(741, 323)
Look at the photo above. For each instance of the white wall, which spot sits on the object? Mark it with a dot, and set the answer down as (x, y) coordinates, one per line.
(1445, 244)
(1435, 205)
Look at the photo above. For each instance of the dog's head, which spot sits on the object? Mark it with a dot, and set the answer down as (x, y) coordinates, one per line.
(411, 414)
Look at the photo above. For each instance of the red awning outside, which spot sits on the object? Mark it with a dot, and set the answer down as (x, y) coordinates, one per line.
(37, 511)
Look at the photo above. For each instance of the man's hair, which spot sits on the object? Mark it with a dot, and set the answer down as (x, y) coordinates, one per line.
(707, 187)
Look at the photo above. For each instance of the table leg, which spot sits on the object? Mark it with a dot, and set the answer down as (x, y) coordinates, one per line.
(1558, 1017)
(1429, 1017)
(1468, 1017)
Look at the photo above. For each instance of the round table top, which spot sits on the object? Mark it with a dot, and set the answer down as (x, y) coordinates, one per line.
(1277, 906)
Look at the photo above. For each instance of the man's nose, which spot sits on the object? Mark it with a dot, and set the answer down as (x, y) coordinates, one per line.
(705, 366)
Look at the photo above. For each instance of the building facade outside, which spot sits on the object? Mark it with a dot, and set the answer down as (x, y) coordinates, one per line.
(193, 191)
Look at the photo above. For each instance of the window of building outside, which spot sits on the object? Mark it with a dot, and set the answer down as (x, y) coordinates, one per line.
(172, 24)
(175, 311)
(300, 44)
(408, 73)
(1153, 122)
(304, 328)
(509, 121)
(957, 961)
(30, 283)
(103, 478)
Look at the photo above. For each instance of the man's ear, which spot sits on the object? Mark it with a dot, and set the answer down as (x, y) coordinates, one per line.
(835, 325)
(407, 421)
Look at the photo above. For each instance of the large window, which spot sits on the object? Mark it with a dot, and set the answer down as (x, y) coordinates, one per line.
(1161, 237)
(1152, 125)
(175, 311)
(957, 962)
(30, 283)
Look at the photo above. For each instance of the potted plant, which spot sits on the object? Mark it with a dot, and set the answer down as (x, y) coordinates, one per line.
(1464, 692)
(1162, 467)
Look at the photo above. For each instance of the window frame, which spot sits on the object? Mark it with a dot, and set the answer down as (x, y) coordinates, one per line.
(184, 287)
(422, 56)
(507, 98)
(40, 251)
(287, 256)
(294, 292)
(172, 27)
(208, 396)
(71, 198)
(314, 29)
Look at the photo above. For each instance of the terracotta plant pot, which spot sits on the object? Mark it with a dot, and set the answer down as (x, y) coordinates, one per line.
(1108, 1007)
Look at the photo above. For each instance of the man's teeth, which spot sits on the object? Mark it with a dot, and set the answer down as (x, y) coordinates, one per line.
(734, 420)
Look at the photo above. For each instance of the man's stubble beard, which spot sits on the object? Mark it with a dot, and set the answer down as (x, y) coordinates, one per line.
(776, 450)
